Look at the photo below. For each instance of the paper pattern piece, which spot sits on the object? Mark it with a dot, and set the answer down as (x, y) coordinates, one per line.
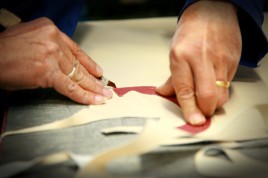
(96, 165)
(140, 145)
(133, 104)
(244, 117)
(151, 90)
(79, 118)
(14, 168)
(238, 123)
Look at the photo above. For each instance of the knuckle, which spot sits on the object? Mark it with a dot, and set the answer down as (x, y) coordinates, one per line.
(89, 98)
(88, 83)
(77, 50)
(178, 53)
(51, 29)
(45, 20)
(92, 83)
(52, 48)
(207, 94)
(185, 93)
(44, 77)
(222, 57)
(79, 78)
(50, 32)
(48, 42)
(42, 22)
(95, 87)
(98, 89)
(43, 73)
(78, 94)
(72, 88)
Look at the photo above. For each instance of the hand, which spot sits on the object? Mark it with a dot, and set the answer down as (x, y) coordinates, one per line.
(37, 54)
(206, 47)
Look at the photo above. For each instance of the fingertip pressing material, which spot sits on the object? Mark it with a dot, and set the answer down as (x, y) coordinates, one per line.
(163, 90)
(107, 93)
(197, 119)
(100, 99)
(158, 89)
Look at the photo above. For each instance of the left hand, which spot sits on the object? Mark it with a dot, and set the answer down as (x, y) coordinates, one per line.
(206, 47)
(37, 54)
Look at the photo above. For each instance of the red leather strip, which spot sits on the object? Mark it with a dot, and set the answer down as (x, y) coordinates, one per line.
(151, 90)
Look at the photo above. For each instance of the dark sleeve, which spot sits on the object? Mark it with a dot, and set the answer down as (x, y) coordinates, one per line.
(64, 13)
(250, 16)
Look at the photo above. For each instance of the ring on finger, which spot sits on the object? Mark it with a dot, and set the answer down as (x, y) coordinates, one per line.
(74, 70)
(223, 84)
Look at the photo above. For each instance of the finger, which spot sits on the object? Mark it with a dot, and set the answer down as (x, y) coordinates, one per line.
(206, 90)
(91, 66)
(64, 85)
(223, 92)
(79, 74)
(223, 96)
(184, 87)
(68, 61)
(166, 89)
(88, 82)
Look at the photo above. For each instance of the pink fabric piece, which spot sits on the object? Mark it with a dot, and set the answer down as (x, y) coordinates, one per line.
(151, 90)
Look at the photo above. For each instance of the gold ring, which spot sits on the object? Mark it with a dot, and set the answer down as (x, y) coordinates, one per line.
(223, 84)
(75, 68)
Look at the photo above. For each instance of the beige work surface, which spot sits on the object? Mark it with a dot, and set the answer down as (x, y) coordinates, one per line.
(135, 52)
(131, 53)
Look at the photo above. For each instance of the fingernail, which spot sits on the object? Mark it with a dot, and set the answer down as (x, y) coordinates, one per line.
(99, 70)
(100, 99)
(107, 93)
(197, 119)
(160, 86)
(159, 89)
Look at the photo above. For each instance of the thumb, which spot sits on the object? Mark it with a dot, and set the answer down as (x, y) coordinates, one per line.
(166, 89)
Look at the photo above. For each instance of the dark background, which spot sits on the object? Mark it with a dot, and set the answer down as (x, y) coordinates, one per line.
(124, 9)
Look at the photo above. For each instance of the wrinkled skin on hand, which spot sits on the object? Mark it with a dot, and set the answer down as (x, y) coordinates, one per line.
(206, 47)
(37, 54)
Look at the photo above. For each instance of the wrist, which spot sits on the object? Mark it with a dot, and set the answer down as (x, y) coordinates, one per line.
(224, 5)
(206, 9)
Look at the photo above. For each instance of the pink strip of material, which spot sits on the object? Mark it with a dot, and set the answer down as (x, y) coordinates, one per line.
(151, 90)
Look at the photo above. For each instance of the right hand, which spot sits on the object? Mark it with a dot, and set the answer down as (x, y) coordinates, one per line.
(205, 48)
(37, 54)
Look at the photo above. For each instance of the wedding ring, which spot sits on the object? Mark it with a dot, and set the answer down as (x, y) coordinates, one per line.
(223, 84)
(74, 70)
